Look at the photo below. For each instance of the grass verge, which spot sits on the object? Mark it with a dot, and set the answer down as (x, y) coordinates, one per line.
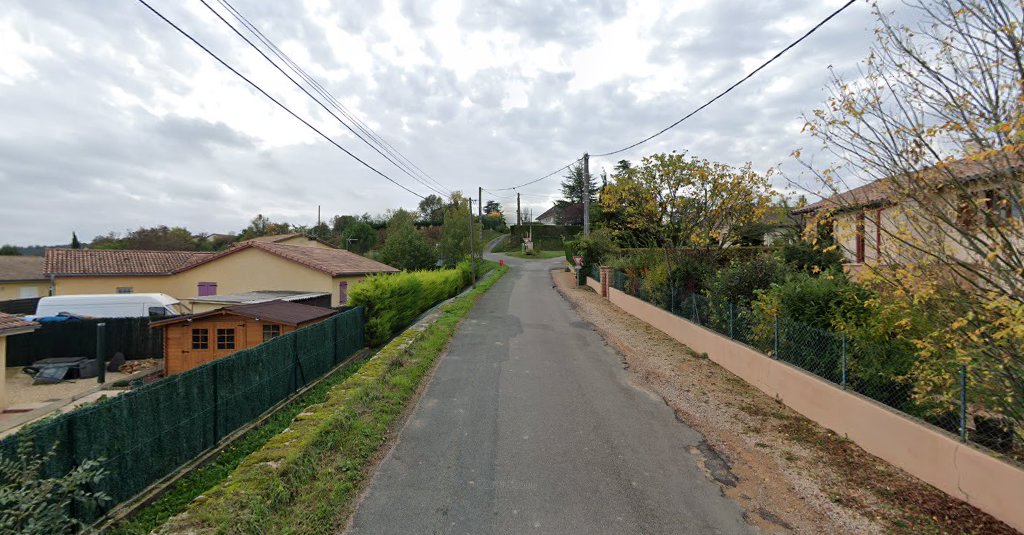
(209, 475)
(537, 255)
(304, 479)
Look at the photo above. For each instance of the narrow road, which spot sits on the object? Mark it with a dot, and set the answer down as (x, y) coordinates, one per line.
(530, 425)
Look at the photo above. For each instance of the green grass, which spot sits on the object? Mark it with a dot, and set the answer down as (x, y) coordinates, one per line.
(206, 477)
(304, 481)
(538, 255)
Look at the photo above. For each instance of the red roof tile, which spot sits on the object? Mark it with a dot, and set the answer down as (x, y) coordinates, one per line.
(109, 262)
(13, 324)
(21, 268)
(334, 262)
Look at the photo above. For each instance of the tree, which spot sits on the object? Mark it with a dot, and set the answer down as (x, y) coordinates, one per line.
(431, 210)
(455, 234)
(261, 225)
(685, 202)
(575, 184)
(405, 248)
(937, 117)
(161, 238)
(492, 207)
(340, 222)
(75, 244)
(9, 250)
(359, 237)
(621, 167)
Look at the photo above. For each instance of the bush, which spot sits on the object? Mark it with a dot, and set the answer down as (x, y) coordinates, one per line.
(738, 282)
(595, 249)
(803, 256)
(392, 302)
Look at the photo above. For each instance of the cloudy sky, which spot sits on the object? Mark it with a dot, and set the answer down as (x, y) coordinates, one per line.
(111, 120)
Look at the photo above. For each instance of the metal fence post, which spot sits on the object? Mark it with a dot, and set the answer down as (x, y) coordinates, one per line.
(672, 303)
(731, 319)
(101, 353)
(844, 362)
(775, 355)
(963, 403)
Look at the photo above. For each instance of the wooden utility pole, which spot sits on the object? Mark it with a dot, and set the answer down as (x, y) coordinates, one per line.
(480, 211)
(586, 194)
(472, 250)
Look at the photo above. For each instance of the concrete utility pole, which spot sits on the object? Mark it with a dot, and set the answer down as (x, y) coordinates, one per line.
(480, 211)
(472, 250)
(586, 194)
(519, 214)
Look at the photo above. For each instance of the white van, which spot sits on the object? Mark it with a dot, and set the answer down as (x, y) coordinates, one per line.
(109, 305)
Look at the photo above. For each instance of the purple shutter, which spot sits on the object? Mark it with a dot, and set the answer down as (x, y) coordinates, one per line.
(343, 292)
(207, 288)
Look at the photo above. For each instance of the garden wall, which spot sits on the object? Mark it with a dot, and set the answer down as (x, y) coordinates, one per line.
(933, 456)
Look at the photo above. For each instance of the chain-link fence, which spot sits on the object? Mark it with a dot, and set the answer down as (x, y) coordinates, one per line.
(150, 431)
(862, 366)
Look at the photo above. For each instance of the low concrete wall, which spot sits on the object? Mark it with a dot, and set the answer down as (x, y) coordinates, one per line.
(594, 284)
(959, 469)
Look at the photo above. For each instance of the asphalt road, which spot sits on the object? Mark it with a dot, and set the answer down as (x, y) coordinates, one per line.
(530, 425)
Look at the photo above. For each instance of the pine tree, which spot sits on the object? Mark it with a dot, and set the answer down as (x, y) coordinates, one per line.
(75, 244)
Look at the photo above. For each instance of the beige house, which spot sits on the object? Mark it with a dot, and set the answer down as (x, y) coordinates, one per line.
(253, 265)
(872, 227)
(22, 277)
(10, 326)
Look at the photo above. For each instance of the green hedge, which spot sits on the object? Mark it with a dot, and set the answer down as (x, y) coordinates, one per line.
(392, 302)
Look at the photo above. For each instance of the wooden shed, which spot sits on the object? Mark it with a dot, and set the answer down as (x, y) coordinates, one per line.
(196, 339)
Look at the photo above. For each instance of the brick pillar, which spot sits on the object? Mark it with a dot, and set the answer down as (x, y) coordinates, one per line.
(606, 275)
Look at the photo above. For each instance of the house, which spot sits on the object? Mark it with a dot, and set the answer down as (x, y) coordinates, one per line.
(195, 339)
(10, 326)
(211, 302)
(22, 277)
(551, 216)
(871, 224)
(248, 266)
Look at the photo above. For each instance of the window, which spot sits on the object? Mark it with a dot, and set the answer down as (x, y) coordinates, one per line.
(124, 289)
(200, 339)
(225, 338)
(271, 331)
(157, 312)
(207, 288)
(342, 293)
(860, 237)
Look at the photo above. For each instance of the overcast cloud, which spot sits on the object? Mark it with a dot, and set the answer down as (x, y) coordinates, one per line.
(111, 120)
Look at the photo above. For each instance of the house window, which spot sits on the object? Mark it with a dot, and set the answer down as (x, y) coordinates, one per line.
(225, 338)
(200, 338)
(271, 331)
(860, 237)
(207, 288)
(124, 289)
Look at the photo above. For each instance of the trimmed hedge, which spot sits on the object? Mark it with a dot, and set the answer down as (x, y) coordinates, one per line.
(392, 302)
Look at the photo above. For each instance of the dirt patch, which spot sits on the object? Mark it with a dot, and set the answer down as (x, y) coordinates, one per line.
(788, 473)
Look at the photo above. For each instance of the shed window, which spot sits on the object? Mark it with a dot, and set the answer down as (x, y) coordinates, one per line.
(225, 338)
(200, 339)
(124, 289)
(271, 331)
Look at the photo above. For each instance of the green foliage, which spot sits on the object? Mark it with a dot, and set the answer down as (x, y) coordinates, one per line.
(738, 282)
(811, 258)
(9, 250)
(595, 249)
(405, 248)
(31, 503)
(75, 244)
(575, 186)
(455, 238)
(814, 301)
(431, 210)
(160, 238)
(392, 302)
(358, 237)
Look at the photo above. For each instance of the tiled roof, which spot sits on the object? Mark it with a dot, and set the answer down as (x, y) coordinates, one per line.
(553, 212)
(13, 324)
(109, 262)
(334, 262)
(277, 237)
(21, 268)
(878, 191)
(285, 312)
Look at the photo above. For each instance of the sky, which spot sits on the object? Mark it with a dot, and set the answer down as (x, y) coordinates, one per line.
(111, 120)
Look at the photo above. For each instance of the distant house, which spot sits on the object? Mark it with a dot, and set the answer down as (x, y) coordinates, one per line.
(22, 277)
(10, 326)
(194, 340)
(248, 266)
(551, 216)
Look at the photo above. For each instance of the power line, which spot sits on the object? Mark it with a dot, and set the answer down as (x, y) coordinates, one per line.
(706, 104)
(272, 99)
(735, 85)
(335, 103)
(310, 95)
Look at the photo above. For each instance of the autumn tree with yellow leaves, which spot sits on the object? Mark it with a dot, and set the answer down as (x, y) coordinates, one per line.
(934, 114)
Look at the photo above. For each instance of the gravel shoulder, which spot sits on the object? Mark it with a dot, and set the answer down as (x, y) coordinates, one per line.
(789, 474)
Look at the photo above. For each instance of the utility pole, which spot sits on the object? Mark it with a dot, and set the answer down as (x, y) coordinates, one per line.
(480, 211)
(472, 250)
(519, 215)
(586, 194)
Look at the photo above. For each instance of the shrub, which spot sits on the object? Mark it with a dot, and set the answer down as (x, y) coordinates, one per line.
(738, 282)
(804, 256)
(31, 503)
(595, 249)
(392, 302)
